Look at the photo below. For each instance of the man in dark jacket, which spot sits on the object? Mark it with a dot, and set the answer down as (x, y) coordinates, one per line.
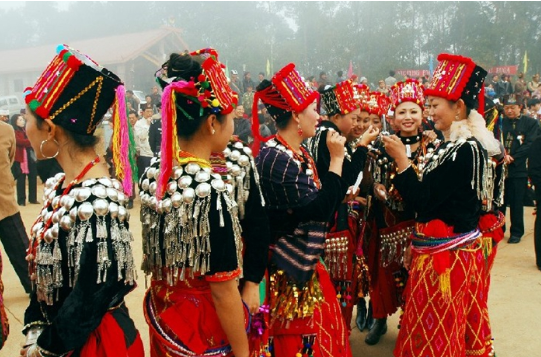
(534, 171)
(155, 134)
(519, 132)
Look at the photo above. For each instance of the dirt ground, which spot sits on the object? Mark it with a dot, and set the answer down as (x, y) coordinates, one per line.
(514, 300)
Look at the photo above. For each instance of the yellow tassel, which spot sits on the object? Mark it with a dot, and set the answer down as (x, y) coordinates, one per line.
(116, 142)
(445, 285)
(420, 261)
(487, 247)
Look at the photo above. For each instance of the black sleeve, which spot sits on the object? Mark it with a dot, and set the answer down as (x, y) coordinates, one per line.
(351, 169)
(322, 156)
(333, 189)
(152, 137)
(223, 254)
(534, 163)
(85, 306)
(256, 234)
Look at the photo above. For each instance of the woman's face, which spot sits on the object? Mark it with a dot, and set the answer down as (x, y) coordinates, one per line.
(308, 120)
(35, 134)
(360, 125)
(442, 112)
(223, 132)
(408, 117)
(21, 122)
(345, 122)
(375, 121)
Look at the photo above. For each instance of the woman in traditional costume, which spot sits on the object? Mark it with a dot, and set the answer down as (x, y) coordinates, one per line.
(80, 254)
(191, 232)
(392, 221)
(341, 104)
(305, 317)
(446, 275)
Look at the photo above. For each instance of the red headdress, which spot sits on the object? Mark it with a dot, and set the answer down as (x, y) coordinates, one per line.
(378, 103)
(362, 95)
(208, 93)
(458, 77)
(284, 94)
(409, 90)
(339, 99)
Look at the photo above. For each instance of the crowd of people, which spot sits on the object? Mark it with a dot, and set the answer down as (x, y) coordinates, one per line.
(265, 233)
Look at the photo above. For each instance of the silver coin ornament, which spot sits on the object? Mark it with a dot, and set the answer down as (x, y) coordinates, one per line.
(227, 152)
(235, 155)
(36, 228)
(202, 176)
(66, 223)
(177, 172)
(176, 199)
(152, 187)
(151, 172)
(192, 168)
(171, 187)
(89, 182)
(238, 145)
(188, 195)
(107, 182)
(309, 172)
(82, 194)
(117, 185)
(202, 190)
(122, 213)
(54, 230)
(101, 207)
(67, 201)
(113, 209)
(244, 160)
(99, 191)
(218, 184)
(112, 193)
(85, 211)
(145, 184)
(55, 203)
(247, 150)
(73, 214)
(167, 205)
(185, 181)
(48, 236)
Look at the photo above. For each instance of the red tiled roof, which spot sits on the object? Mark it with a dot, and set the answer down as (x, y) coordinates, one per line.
(105, 50)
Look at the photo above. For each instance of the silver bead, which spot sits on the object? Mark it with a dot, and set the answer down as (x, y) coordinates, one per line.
(151, 173)
(435, 157)
(202, 190)
(117, 185)
(202, 176)
(152, 187)
(85, 211)
(48, 216)
(227, 151)
(48, 236)
(66, 223)
(36, 228)
(122, 213)
(55, 202)
(67, 201)
(89, 182)
(192, 168)
(235, 155)
(122, 198)
(51, 195)
(152, 202)
(185, 181)
(236, 170)
(113, 209)
(244, 160)
(112, 193)
(171, 187)
(82, 194)
(309, 172)
(101, 207)
(99, 191)
(106, 182)
(145, 184)
(73, 213)
(176, 199)
(238, 145)
(271, 143)
(167, 205)
(56, 217)
(54, 230)
(177, 172)
(247, 150)
(218, 184)
(188, 195)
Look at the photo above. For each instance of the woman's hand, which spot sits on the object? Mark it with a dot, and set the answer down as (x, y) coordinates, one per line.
(369, 135)
(335, 144)
(396, 149)
(30, 351)
(250, 296)
(430, 135)
(380, 192)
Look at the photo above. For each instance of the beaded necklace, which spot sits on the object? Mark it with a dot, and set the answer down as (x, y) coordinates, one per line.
(305, 159)
(184, 157)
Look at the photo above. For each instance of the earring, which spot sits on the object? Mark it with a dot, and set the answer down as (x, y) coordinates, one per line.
(213, 131)
(299, 130)
(43, 144)
(456, 117)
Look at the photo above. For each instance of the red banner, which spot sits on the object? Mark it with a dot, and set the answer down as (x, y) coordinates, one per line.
(504, 70)
(413, 73)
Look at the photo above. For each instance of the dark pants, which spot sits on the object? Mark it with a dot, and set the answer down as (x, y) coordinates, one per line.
(32, 184)
(515, 189)
(142, 163)
(537, 229)
(15, 242)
